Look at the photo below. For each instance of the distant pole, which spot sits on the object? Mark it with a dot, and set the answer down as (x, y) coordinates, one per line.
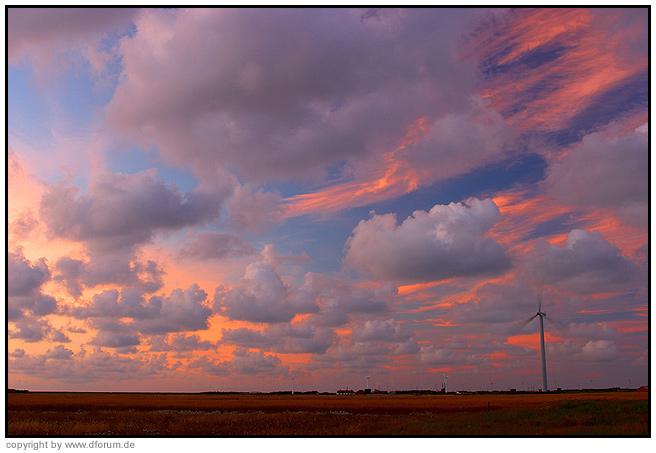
(367, 382)
(293, 386)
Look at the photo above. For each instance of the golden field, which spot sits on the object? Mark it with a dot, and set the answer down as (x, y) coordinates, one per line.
(154, 414)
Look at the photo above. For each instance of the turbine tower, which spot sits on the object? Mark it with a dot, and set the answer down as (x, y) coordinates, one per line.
(293, 384)
(543, 357)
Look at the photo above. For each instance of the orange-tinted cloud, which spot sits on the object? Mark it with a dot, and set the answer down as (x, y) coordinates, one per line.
(582, 63)
(393, 178)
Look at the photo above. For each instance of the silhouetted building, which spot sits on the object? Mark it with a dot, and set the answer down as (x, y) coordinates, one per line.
(345, 392)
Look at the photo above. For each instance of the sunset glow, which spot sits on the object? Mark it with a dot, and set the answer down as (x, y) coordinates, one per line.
(213, 200)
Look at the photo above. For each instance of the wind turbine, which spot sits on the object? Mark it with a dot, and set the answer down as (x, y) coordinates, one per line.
(446, 381)
(293, 384)
(541, 315)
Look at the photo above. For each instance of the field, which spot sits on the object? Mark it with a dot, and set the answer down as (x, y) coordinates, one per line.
(143, 415)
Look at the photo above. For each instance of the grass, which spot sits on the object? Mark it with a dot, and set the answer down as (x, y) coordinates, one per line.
(141, 415)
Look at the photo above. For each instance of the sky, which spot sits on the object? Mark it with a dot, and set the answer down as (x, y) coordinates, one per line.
(226, 199)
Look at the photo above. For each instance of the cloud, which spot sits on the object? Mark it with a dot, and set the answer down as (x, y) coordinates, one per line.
(244, 362)
(388, 330)
(115, 334)
(428, 355)
(180, 343)
(106, 269)
(256, 363)
(248, 338)
(586, 351)
(301, 86)
(283, 338)
(595, 331)
(181, 311)
(84, 367)
(585, 263)
(24, 288)
(114, 304)
(557, 72)
(212, 245)
(446, 242)
(60, 353)
(253, 211)
(121, 211)
(24, 279)
(600, 350)
(606, 171)
(270, 255)
(261, 296)
(68, 271)
(18, 353)
(497, 304)
(339, 299)
(459, 142)
(34, 330)
(24, 224)
(42, 35)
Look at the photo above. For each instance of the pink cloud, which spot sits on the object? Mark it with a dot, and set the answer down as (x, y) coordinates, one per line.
(103, 217)
(262, 296)
(448, 241)
(605, 171)
(25, 281)
(42, 36)
(253, 211)
(212, 245)
(263, 100)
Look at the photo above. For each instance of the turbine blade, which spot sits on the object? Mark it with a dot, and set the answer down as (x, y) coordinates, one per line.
(525, 323)
(559, 325)
(540, 300)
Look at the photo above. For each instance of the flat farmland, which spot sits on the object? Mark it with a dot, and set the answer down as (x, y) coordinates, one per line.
(196, 415)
